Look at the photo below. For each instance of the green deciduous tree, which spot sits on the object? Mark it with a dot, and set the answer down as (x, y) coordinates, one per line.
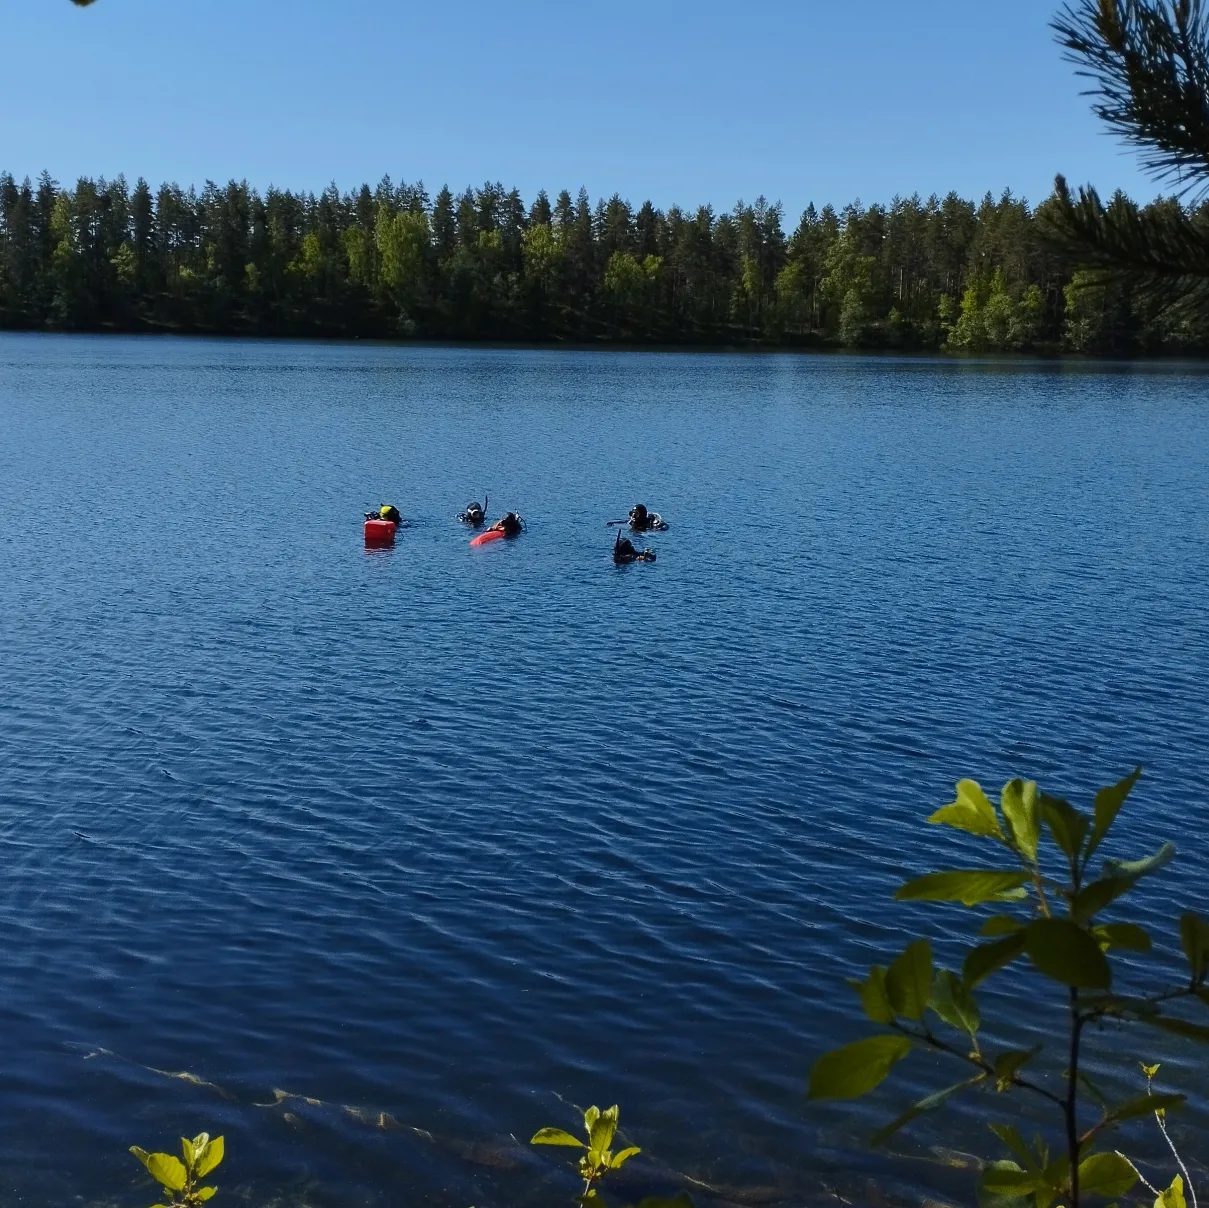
(401, 242)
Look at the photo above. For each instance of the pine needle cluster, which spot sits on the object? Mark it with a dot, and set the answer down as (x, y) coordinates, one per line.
(1148, 63)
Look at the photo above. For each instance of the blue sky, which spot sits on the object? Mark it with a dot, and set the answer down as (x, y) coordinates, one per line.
(681, 103)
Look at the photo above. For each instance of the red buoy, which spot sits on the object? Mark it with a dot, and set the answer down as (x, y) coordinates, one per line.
(489, 535)
(379, 533)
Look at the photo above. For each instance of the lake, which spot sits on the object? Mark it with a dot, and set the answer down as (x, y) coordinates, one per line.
(378, 861)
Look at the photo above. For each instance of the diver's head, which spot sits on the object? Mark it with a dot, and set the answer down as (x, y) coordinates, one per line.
(638, 511)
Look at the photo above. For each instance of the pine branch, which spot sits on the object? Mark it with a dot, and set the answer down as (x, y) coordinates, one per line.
(1162, 251)
(1149, 63)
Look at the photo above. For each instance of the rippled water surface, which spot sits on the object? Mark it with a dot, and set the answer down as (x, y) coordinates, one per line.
(454, 840)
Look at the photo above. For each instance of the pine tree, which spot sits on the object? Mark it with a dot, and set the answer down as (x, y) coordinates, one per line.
(1148, 61)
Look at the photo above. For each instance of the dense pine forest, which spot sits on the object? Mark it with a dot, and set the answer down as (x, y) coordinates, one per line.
(393, 262)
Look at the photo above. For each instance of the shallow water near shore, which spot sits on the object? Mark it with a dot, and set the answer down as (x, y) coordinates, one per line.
(377, 861)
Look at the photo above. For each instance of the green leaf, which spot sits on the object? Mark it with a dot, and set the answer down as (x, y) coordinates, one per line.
(602, 1130)
(205, 1193)
(1007, 1179)
(1108, 806)
(952, 1001)
(1053, 1179)
(1019, 806)
(188, 1152)
(1001, 924)
(1062, 950)
(620, 1159)
(927, 1104)
(857, 1068)
(1055, 1175)
(970, 887)
(1009, 1134)
(555, 1136)
(996, 1199)
(1135, 870)
(1143, 1105)
(986, 959)
(1179, 1027)
(163, 1168)
(1008, 1064)
(874, 997)
(1194, 938)
(1066, 824)
(1119, 877)
(909, 980)
(1106, 1174)
(209, 1154)
(971, 812)
(1122, 935)
(1091, 899)
(1173, 1197)
(590, 1118)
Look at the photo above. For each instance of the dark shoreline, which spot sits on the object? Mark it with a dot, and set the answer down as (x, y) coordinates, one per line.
(1052, 357)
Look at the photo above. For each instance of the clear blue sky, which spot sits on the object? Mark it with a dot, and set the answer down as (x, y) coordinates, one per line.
(797, 99)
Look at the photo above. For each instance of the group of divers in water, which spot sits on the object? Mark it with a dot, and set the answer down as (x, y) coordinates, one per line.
(510, 524)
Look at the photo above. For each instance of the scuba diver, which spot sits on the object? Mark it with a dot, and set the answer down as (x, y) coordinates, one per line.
(510, 524)
(475, 513)
(642, 521)
(624, 552)
(386, 512)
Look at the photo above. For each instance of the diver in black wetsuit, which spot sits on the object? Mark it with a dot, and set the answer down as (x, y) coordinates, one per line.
(642, 521)
(475, 513)
(624, 552)
(386, 512)
(510, 524)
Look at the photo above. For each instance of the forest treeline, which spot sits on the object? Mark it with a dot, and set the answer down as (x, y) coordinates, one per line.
(391, 262)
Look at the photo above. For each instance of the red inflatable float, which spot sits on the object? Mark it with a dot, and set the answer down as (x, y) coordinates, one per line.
(489, 535)
(379, 533)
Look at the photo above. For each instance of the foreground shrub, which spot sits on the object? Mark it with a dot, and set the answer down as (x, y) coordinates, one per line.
(598, 1157)
(181, 1178)
(1058, 928)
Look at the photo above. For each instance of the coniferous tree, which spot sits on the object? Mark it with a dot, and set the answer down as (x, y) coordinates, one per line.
(391, 262)
(1148, 63)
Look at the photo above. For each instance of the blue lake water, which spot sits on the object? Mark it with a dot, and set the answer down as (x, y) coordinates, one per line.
(453, 841)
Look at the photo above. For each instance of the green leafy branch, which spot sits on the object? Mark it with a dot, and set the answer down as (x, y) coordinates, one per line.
(181, 1178)
(598, 1157)
(1060, 933)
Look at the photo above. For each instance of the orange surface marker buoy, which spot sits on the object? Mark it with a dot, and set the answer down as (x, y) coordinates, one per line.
(489, 535)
